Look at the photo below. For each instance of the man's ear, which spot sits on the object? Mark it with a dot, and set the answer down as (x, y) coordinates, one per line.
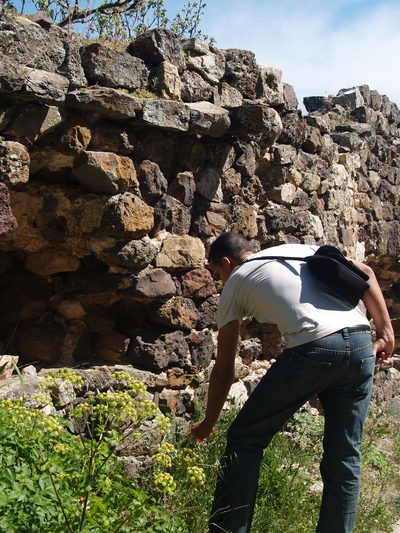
(226, 261)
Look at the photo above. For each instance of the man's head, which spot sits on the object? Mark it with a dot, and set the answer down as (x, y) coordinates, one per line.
(227, 252)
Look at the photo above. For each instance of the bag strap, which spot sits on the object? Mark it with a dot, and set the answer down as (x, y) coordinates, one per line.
(281, 257)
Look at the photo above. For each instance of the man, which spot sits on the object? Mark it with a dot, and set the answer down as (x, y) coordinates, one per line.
(328, 352)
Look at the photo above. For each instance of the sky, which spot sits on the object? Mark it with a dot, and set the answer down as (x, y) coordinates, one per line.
(321, 46)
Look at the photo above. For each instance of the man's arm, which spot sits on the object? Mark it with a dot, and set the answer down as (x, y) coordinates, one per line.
(375, 303)
(220, 380)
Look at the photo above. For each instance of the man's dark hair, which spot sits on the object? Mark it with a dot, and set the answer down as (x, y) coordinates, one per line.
(228, 245)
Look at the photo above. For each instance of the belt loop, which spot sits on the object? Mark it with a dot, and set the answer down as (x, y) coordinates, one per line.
(345, 333)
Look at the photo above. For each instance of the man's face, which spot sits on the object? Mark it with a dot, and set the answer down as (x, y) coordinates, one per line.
(222, 270)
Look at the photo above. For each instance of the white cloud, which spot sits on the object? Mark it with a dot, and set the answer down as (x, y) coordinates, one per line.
(320, 50)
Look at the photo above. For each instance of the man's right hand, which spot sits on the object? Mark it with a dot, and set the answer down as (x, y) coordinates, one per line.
(201, 430)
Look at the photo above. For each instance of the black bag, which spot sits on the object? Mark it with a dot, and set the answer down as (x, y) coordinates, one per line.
(339, 275)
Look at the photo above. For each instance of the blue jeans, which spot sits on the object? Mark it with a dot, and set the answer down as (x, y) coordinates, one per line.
(339, 368)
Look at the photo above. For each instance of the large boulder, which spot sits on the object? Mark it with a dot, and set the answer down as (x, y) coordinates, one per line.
(31, 84)
(194, 88)
(33, 121)
(209, 63)
(256, 120)
(109, 68)
(208, 119)
(153, 351)
(158, 45)
(166, 115)
(181, 253)
(106, 102)
(242, 71)
(270, 87)
(105, 172)
(26, 43)
(127, 215)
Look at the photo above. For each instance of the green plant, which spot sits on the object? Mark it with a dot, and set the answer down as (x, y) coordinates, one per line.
(54, 480)
(120, 20)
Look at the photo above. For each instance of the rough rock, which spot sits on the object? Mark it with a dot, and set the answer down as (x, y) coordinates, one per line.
(26, 43)
(241, 71)
(227, 96)
(71, 67)
(269, 86)
(210, 64)
(33, 121)
(109, 103)
(127, 215)
(183, 187)
(154, 352)
(136, 254)
(166, 114)
(170, 214)
(202, 348)
(158, 45)
(14, 163)
(198, 283)
(177, 312)
(154, 284)
(152, 181)
(256, 120)
(169, 84)
(208, 119)
(105, 172)
(109, 68)
(208, 184)
(194, 88)
(181, 253)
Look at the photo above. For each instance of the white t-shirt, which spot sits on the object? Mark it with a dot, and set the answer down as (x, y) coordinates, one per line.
(285, 293)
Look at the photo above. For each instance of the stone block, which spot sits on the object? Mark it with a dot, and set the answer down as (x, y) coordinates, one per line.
(109, 68)
(181, 253)
(256, 120)
(211, 65)
(208, 119)
(166, 114)
(269, 86)
(110, 103)
(154, 284)
(194, 88)
(127, 215)
(51, 262)
(14, 163)
(153, 351)
(177, 312)
(105, 172)
(242, 71)
(33, 121)
(158, 45)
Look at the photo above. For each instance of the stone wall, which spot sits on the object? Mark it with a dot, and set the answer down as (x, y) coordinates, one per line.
(118, 168)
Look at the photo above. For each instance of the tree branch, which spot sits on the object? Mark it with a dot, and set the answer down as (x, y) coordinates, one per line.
(83, 14)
